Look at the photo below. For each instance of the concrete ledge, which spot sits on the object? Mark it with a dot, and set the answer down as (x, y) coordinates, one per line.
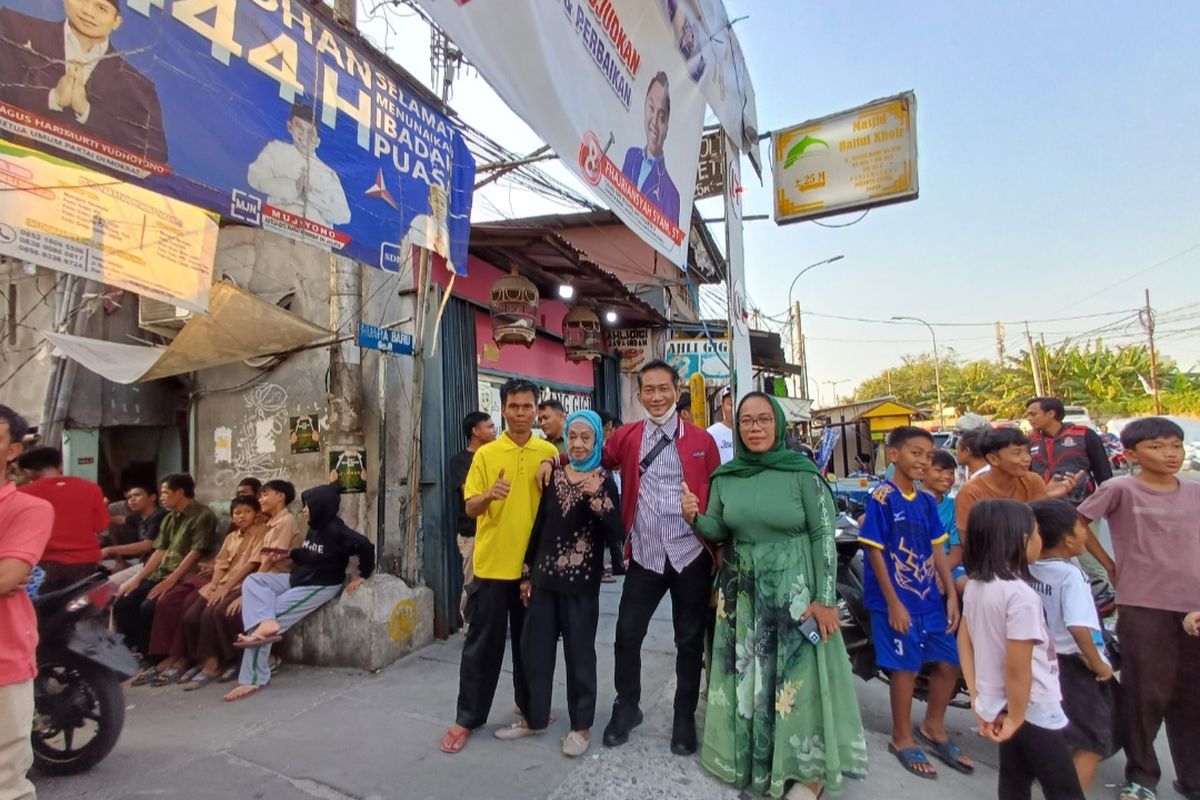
(381, 622)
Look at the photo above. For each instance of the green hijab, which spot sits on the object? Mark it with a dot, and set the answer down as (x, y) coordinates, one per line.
(746, 464)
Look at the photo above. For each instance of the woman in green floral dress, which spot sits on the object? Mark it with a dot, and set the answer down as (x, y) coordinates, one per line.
(782, 714)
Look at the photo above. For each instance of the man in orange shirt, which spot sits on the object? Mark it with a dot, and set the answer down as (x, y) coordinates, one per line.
(80, 516)
(1007, 453)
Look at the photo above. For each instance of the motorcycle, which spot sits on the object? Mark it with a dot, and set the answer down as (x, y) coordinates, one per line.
(855, 621)
(79, 706)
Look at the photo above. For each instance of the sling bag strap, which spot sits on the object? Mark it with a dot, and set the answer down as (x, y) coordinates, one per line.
(653, 454)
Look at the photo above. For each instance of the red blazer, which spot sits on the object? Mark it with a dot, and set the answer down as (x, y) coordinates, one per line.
(698, 454)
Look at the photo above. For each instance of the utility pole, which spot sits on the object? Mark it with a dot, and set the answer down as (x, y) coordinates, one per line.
(343, 420)
(1034, 363)
(1147, 315)
(1000, 342)
(801, 360)
(1046, 366)
(741, 369)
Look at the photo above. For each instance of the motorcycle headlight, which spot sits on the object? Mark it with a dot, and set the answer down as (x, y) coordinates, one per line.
(78, 604)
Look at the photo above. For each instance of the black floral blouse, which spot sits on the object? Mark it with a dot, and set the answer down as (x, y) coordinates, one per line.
(570, 533)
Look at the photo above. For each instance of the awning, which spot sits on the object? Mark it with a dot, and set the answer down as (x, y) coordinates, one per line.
(238, 326)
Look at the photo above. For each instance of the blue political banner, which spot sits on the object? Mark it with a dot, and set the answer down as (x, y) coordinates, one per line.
(264, 111)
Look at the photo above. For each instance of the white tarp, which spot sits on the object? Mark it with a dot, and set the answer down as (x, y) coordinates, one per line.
(606, 84)
(238, 326)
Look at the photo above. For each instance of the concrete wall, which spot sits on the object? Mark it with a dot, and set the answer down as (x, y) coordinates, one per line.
(26, 307)
(254, 405)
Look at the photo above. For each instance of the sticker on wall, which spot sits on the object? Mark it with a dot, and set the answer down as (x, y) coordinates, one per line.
(223, 445)
(348, 469)
(305, 434)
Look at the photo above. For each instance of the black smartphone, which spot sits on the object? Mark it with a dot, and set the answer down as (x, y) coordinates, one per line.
(811, 630)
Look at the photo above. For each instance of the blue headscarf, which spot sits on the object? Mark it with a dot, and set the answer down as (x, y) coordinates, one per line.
(593, 421)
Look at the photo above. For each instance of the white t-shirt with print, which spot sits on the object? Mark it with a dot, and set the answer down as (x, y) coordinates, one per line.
(1067, 598)
(724, 437)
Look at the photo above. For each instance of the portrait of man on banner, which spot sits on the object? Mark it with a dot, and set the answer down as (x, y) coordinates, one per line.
(68, 72)
(294, 178)
(646, 165)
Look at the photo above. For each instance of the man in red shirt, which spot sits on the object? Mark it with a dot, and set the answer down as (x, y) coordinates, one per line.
(80, 516)
(25, 524)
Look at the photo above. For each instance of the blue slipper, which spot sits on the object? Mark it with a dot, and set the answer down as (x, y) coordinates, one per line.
(948, 751)
(909, 758)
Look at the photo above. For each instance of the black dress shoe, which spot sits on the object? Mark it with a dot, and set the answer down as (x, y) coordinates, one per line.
(624, 719)
(683, 735)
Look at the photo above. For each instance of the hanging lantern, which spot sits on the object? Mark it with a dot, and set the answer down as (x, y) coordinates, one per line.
(582, 335)
(514, 310)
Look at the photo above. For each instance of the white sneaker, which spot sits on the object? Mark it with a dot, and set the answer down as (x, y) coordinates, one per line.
(518, 730)
(574, 744)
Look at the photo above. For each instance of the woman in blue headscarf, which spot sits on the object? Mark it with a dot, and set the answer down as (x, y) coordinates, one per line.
(578, 518)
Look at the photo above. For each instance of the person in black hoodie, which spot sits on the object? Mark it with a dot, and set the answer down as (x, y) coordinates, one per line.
(272, 603)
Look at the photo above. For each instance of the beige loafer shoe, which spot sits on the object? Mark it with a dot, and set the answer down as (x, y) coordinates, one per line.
(518, 730)
(574, 744)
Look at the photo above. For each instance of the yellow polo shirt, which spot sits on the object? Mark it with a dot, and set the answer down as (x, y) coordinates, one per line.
(502, 532)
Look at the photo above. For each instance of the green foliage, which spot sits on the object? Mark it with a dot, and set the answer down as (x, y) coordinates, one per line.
(1106, 380)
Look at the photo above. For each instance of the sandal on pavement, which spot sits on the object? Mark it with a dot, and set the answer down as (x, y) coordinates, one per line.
(1135, 791)
(166, 677)
(518, 730)
(246, 642)
(227, 675)
(198, 681)
(575, 744)
(910, 757)
(250, 690)
(948, 752)
(455, 740)
(144, 677)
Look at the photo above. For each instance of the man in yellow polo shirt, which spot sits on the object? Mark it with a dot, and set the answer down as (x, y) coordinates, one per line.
(502, 495)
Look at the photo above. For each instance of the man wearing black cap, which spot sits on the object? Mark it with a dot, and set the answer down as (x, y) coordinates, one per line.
(68, 72)
(295, 179)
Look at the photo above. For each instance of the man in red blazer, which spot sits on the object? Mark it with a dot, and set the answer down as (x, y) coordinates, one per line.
(657, 456)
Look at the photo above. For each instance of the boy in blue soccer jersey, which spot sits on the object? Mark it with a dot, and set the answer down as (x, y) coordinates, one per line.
(912, 622)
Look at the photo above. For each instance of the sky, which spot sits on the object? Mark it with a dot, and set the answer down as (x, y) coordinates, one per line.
(1059, 169)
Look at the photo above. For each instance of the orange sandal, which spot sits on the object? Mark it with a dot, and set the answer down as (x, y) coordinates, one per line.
(455, 739)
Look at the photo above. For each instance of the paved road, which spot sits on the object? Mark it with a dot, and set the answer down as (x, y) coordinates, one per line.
(341, 734)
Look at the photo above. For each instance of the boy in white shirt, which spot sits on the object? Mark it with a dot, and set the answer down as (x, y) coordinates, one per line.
(1083, 669)
(722, 429)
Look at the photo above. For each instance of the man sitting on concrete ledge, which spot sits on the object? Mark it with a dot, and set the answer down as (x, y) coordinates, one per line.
(272, 603)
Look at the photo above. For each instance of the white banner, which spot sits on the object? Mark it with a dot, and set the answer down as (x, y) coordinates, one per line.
(71, 219)
(706, 40)
(606, 83)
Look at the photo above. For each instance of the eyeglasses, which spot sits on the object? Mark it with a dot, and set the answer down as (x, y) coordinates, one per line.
(762, 423)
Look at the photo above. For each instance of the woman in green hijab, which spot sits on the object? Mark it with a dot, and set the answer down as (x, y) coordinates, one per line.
(782, 715)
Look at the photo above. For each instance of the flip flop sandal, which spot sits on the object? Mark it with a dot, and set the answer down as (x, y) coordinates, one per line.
(253, 691)
(948, 752)
(228, 674)
(909, 758)
(257, 641)
(198, 681)
(167, 677)
(274, 664)
(454, 741)
(145, 677)
(1135, 791)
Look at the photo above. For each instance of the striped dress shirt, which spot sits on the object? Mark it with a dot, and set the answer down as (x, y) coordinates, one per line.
(661, 535)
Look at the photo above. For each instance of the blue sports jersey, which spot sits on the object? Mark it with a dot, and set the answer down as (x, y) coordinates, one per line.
(906, 530)
(949, 523)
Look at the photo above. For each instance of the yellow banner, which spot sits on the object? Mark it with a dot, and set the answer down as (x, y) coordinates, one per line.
(67, 218)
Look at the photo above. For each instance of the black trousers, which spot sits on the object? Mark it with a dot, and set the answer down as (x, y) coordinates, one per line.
(133, 616)
(575, 616)
(1160, 683)
(496, 614)
(644, 590)
(1038, 754)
